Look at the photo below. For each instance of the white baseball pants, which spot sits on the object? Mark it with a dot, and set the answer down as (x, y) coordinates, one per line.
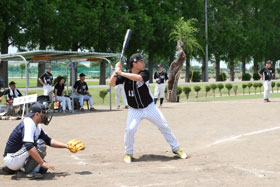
(15, 161)
(63, 101)
(153, 114)
(47, 89)
(266, 86)
(84, 97)
(159, 90)
(119, 89)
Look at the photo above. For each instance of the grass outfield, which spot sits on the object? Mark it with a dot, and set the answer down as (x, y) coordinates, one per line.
(192, 98)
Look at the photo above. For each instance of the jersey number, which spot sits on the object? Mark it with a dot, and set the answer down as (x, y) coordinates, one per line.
(130, 93)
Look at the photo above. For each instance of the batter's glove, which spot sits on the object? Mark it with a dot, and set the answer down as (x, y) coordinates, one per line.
(75, 145)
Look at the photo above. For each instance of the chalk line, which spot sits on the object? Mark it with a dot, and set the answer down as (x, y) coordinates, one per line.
(243, 135)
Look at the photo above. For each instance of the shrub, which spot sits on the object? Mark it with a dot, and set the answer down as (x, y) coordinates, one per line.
(222, 77)
(272, 86)
(260, 86)
(249, 87)
(102, 94)
(195, 76)
(278, 85)
(213, 87)
(244, 86)
(246, 77)
(207, 89)
(229, 87)
(235, 89)
(256, 76)
(197, 89)
(256, 85)
(187, 91)
(178, 91)
(220, 87)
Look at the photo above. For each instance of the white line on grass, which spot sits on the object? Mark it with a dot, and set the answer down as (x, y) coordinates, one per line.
(243, 135)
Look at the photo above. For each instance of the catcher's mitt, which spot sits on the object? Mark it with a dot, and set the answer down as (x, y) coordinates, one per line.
(75, 145)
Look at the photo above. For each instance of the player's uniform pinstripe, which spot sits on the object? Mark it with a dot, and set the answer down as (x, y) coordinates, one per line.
(140, 100)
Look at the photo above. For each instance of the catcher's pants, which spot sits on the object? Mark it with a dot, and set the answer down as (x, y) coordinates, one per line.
(84, 97)
(21, 158)
(159, 90)
(120, 91)
(153, 114)
(266, 86)
(63, 101)
(48, 91)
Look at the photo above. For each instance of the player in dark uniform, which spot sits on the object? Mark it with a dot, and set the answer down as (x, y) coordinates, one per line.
(46, 80)
(26, 146)
(10, 94)
(160, 77)
(266, 74)
(140, 100)
(81, 92)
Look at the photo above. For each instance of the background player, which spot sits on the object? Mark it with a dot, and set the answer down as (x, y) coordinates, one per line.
(119, 89)
(160, 77)
(46, 80)
(141, 104)
(81, 92)
(266, 75)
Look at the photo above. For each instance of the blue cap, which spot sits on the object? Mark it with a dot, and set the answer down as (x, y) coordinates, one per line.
(37, 107)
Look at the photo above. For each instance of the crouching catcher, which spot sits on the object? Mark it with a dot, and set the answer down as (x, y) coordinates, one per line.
(26, 147)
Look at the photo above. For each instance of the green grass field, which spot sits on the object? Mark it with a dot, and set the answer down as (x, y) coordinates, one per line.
(192, 98)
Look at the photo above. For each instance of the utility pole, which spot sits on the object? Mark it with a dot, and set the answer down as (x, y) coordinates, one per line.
(206, 39)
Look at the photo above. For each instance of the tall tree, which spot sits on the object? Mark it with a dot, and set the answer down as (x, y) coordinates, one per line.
(12, 16)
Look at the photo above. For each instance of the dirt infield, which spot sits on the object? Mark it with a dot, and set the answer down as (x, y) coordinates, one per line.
(231, 143)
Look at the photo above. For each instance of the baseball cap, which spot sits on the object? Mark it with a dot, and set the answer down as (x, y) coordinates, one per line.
(82, 75)
(159, 65)
(49, 67)
(268, 62)
(135, 57)
(37, 107)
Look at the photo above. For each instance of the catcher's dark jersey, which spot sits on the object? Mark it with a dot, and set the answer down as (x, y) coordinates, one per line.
(161, 77)
(137, 93)
(267, 73)
(47, 78)
(26, 131)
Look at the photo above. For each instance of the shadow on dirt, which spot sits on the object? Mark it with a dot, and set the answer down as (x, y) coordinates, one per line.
(153, 158)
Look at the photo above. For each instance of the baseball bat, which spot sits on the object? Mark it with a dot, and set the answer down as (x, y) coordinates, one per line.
(125, 42)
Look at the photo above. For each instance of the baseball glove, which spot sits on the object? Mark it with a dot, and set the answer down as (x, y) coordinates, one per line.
(75, 145)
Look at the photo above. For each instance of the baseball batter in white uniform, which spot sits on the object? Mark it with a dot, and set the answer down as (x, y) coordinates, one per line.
(160, 77)
(141, 105)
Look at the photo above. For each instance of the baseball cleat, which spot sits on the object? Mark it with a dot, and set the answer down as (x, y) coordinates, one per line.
(180, 153)
(127, 158)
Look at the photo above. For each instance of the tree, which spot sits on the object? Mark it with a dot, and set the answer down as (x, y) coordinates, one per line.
(22, 68)
(220, 86)
(207, 89)
(12, 16)
(184, 33)
(197, 89)
(213, 87)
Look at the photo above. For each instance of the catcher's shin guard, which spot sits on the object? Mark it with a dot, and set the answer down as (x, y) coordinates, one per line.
(30, 163)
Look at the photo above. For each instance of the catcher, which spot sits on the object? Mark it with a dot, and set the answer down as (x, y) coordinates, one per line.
(26, 147)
